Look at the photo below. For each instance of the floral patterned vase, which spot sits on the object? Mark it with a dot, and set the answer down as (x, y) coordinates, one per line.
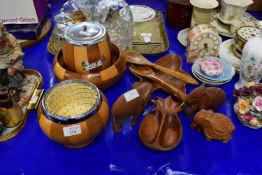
(251, 62)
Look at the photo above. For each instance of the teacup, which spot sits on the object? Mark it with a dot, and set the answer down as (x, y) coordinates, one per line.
(233, 10)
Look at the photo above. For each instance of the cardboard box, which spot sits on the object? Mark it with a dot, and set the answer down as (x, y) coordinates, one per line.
(26, 31)
(22, 11)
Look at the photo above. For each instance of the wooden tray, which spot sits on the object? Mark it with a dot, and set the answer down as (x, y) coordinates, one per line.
(154, 49)
(31, 102)
(44, 33)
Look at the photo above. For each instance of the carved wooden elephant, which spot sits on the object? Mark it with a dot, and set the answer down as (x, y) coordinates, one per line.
(204, 98)
(126, 105)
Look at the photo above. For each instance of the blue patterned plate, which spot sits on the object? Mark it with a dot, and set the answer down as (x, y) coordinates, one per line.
(228, 73)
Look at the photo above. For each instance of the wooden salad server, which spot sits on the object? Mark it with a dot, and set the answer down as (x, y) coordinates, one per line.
(135, 58)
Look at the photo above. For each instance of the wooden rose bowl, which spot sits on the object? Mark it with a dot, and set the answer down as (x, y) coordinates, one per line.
(102, 79)
(73, 113)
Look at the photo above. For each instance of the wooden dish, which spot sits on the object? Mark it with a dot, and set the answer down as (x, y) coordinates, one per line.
(161, 129)
(102, 79)
(73, 113)
(44, 33)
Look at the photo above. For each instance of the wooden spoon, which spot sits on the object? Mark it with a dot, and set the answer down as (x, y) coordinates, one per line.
(135, 58)
(150, 74)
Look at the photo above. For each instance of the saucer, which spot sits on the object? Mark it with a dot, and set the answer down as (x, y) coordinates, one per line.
(142, 13)
(227, 22)
(210, 82)
(182, 36)
(224, 29)
(227, 74)
(226, 53)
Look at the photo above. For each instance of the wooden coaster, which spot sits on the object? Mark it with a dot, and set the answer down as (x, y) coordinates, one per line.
(44, 33)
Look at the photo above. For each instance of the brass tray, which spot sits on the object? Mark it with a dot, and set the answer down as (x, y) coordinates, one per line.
(154, 49)
(29, 103)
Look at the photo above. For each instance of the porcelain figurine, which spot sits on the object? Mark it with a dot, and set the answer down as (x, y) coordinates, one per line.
(251, 62)
(203, 98)
(202, 41)
(10, 113)
(248, 106)
(11, 63)
(161, 129)
(215, 126)
(131, 103)
(233, 10)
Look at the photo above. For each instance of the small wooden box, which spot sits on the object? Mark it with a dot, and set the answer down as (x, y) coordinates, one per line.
(179, 13)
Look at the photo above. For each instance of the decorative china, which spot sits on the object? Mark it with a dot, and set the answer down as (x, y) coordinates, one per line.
(87, 47)
(73, 113)
(224, 29)
(203, 41)
(233, 10)
(251, 62)
(142, 13)
(211, 67)
(101, 79)
(226, 53)
(244, 34)
(182, 36)
(202, 11)
(248, 106)
(220, 78)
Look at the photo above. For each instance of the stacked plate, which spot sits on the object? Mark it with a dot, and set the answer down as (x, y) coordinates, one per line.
(213, 70)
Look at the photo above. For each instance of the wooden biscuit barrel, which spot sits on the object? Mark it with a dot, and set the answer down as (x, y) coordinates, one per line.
(87, 48)
(73, 113)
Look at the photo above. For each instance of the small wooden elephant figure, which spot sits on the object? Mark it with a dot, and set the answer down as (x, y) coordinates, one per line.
(131, 103)
(204, 98)
(10, 113)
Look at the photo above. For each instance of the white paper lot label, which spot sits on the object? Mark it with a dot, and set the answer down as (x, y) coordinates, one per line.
(131, 95)
(72, 130)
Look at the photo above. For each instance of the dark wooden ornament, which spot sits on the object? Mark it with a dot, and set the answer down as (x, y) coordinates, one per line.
(203, 98)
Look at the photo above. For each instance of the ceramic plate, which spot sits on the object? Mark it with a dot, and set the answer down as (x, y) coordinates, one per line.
(227, 74)
(142, 13)
(224, 29)
(209, 81)
(182, 36)
(226, 53)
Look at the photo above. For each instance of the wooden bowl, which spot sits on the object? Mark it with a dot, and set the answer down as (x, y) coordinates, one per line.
(73, 113)
(101, 79)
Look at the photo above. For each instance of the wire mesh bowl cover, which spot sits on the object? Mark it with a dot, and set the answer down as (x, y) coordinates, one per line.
(71, 101)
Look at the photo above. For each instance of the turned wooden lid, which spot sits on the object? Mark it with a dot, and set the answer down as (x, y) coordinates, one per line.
(71, 101)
